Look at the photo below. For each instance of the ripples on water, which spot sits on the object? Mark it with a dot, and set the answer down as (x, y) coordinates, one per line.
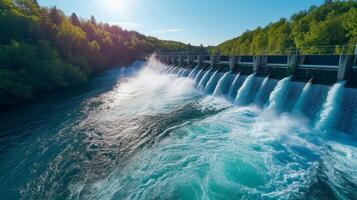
(137, 134)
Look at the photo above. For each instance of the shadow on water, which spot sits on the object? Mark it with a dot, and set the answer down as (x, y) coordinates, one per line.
(53, 110)
(57, 143)
(99, 150)
(329, 182)
(153, 129)
(33, 136)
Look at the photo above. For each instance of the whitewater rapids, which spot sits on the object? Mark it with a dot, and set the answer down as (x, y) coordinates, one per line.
(152, 131)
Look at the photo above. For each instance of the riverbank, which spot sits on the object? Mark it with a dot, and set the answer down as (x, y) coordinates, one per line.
(61, 90)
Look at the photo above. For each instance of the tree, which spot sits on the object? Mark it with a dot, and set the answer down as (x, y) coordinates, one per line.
(328, 1)
(42, 49)
(94, 46)
(70, 37)
(74, 19)
(29, 7)
(55, 16)
(333, 23)
(349, 22)
(93, 20)
(201, 49)
(189, 48)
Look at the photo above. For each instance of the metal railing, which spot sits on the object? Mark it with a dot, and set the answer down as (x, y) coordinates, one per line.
(326, 50)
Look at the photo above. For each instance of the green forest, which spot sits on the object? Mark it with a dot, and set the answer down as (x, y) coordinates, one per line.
(317, 30)
(41, 49)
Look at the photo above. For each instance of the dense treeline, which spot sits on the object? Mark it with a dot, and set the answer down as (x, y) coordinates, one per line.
(42, 49)
(333, 23)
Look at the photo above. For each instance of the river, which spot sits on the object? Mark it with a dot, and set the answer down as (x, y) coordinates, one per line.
(156, 132)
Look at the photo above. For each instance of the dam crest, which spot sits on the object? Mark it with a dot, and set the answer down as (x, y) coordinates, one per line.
(317, 87)
(320, 69)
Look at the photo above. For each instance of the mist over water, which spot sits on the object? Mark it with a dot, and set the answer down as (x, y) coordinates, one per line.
(152, 131)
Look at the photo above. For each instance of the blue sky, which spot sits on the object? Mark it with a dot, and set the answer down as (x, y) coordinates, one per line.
(207, 22)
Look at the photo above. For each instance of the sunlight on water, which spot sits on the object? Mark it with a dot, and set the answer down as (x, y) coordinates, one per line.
(151, 132)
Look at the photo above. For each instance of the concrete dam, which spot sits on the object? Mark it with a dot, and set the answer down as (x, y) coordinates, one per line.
(320, 87)
(320, 69)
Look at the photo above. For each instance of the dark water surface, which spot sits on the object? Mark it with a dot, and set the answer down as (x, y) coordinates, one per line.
(156, 132)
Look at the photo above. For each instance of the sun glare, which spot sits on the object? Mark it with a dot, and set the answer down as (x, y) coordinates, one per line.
(116, 5)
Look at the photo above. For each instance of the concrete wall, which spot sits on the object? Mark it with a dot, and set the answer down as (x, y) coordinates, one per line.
(323, 69)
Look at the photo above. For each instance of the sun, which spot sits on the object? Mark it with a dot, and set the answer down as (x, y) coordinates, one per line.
(112, 2)
(116, 5)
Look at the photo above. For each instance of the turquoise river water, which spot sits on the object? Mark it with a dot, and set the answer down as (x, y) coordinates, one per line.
(152, 131)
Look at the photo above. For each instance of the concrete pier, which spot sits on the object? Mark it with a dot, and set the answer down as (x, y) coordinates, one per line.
(232, 62)
(257, 62)
(292, 63)
(199, 60)
(181, 60)
(345, 65)
(190, 60)
(213, 60)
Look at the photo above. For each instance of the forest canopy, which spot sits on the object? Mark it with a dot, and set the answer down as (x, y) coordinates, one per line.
(43, 49)
(317, 30)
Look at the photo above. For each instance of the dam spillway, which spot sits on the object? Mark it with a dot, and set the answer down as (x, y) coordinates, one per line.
(314, 86)
(159, 131)
(321, 69)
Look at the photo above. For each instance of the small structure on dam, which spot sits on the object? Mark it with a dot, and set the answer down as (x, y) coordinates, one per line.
(321, 69)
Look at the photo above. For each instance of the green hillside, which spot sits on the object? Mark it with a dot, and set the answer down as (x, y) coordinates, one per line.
(42, 49)
(316, 30)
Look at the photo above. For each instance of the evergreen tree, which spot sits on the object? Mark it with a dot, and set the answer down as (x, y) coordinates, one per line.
(42, 49)
(74, 19)
(333, 23)
(93, 20)
(55, 16)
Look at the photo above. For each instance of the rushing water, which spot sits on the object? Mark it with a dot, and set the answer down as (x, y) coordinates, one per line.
(151, 132)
